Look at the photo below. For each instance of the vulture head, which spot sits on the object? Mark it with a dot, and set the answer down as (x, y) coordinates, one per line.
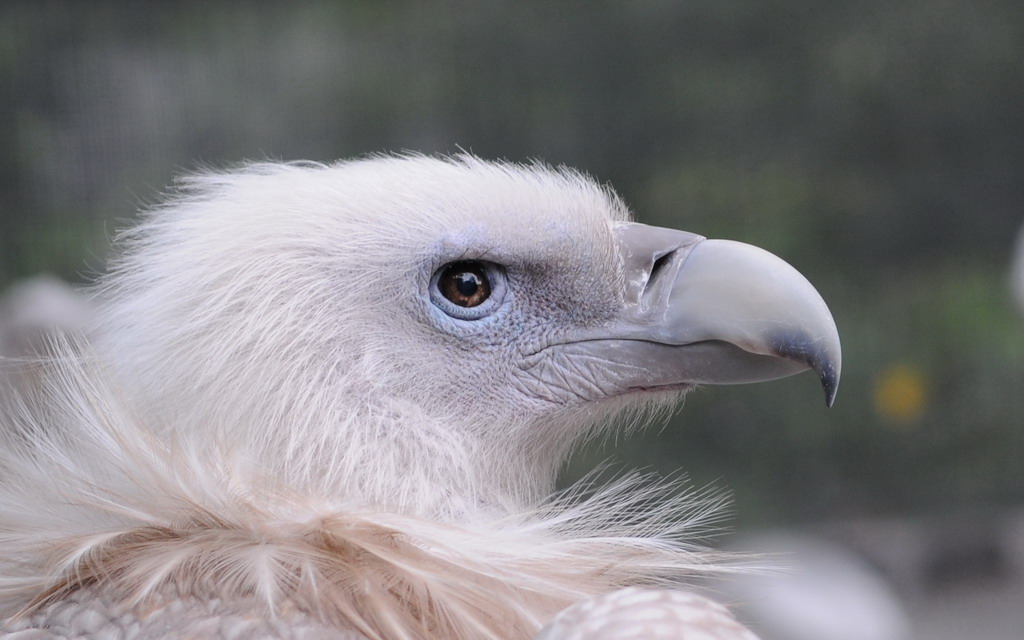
(458, 323)
(417, 337)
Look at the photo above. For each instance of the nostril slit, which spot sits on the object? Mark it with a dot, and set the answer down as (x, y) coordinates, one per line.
(657, 269)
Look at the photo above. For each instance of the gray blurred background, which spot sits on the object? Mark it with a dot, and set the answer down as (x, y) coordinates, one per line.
(877, 145)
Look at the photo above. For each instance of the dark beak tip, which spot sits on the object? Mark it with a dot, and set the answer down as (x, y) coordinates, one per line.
(828, 373)
(814, 355)
(830, 384)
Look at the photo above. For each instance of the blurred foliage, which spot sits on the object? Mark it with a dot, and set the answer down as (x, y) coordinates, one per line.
(878, 145)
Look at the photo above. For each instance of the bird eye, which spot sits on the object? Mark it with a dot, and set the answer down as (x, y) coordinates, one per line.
(464, 283)
(468, 289)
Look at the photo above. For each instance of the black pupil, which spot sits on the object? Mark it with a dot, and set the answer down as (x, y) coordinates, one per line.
(465, 284)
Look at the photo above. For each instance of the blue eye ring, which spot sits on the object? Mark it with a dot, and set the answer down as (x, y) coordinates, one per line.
(468, 289)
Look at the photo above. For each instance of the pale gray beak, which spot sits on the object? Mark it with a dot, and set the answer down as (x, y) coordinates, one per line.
(705, 311)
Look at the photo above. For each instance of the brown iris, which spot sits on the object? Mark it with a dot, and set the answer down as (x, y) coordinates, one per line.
(465, 283)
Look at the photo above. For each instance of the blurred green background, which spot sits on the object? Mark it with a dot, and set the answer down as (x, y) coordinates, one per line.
(877, 145)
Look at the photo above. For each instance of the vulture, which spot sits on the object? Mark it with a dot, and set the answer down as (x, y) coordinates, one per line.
(331, 401)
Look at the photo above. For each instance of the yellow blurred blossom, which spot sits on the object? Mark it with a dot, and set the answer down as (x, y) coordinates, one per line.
(900, 394)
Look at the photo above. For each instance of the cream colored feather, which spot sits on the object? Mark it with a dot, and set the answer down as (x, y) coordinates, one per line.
(94, 500)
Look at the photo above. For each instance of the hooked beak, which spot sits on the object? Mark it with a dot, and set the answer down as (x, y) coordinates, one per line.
(708, 311)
